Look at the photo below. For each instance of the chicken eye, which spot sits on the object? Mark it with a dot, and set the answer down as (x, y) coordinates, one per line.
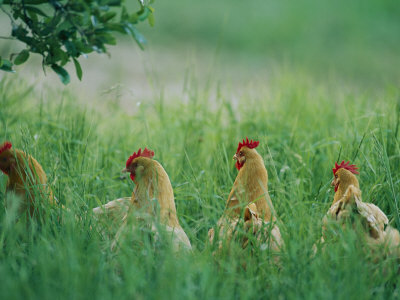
(240, 153)
(335, 176)
(4, 159)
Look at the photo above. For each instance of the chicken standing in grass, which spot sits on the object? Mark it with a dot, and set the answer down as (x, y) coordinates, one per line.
(347, 204)
(25, 177)
(152, 198)
(249, 205)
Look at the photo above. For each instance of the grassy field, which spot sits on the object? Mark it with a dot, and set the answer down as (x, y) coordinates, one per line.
(359, 39)
(303, 128)
(314, 81)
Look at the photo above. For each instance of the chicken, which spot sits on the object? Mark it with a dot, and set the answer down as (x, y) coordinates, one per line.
(25, 177)
(347, 206)
(152, 200)
(249, 191)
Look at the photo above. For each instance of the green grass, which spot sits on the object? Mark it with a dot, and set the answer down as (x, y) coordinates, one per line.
(303, 127)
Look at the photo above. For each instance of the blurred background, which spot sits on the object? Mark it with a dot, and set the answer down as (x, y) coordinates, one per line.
(239, 44)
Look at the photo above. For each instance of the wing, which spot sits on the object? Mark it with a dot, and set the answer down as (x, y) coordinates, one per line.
(115, 209)
(179, 238)
(342, 209)
(266, 233)
(233, 204)
(375, 218)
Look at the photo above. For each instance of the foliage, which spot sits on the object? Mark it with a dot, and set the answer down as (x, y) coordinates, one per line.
(62, 31)
(302, 130)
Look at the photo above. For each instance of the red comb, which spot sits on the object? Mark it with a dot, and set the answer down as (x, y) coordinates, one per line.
(250, 144)
(146, 153)
(5, 146)
(347, 166)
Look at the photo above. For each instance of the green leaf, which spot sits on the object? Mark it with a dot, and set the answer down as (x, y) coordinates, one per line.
(78, 68)
(82, 47)
(139, 38)
(71, 49)
(35, 10)
(108, 16)
(62, 73)
(124, 14)
(151, 19)
(34, 17)
(22, 57)
(107, 38)
(143, 15)
(116, 27)
(58, 55)
(6, 65)
(64, 26)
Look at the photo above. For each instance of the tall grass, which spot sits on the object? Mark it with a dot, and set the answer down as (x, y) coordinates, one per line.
(303, 128)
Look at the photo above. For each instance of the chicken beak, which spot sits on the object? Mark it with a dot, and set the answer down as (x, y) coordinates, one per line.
(124, 170)
(235, 157)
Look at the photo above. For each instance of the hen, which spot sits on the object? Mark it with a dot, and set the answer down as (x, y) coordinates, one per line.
(249, 206)
(25, 177)
(152, 199)
(348, 206)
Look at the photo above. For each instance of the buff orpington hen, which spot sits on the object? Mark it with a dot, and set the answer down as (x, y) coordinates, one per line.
(249, 206)
(26, 178)
(152, 200)
(348, 205)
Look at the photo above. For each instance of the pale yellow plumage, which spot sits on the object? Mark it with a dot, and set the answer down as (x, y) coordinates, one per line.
(249, 206)
(26, 178)
(347, 202)
(152, 201)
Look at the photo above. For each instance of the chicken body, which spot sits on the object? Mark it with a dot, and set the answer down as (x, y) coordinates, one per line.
(152, 202)
(342, 180)
(249, 205)
(229, 227)
(25, 177)
(251, 186)
(153, 191)
(347, 204)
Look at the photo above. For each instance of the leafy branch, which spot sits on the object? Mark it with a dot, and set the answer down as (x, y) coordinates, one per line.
(62, 31)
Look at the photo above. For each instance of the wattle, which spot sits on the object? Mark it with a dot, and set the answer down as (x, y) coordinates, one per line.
(336, 188)
(132, 176)
(238, 165)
